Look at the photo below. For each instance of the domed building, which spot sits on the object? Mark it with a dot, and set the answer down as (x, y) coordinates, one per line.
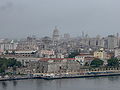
(56, 35)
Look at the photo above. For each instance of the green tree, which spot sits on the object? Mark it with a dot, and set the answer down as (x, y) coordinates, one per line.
(73, 54)
(96, 63)
(113, 62)
(5, 63)
(86, 64)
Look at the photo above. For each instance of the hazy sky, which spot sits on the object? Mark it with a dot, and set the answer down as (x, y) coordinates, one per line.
(20, 18)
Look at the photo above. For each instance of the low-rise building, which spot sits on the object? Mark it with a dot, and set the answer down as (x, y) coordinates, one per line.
(57, 65)
(47, 53)
(117, 52)
(101, 54)
(21, 53)
(84, 58)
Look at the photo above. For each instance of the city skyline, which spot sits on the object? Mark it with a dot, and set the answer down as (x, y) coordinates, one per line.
(21, 18)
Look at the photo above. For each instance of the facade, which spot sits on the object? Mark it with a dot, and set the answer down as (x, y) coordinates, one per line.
(25, 61)
(55, 36)
(84, 58)
(27, 44)
(117, 53)
(26, 53)
(57, 65)
(8, 46)
(101, 54)
(47, 53)
(112, 42)
(66, 36)
(21, 53)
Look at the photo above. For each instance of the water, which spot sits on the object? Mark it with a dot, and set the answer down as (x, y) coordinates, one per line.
(102, 83)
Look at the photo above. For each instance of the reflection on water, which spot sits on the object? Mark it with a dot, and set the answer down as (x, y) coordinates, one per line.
(14, 83)
(114, 78)
(101, 83)
(4, 84)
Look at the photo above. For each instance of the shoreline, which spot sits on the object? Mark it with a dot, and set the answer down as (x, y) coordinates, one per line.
(81, 76)
(68, 76)
(23, 78)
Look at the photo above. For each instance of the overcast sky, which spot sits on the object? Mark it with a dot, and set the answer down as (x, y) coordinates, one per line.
(21, 18)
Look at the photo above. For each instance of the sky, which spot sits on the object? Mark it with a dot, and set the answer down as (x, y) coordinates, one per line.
(21, 18)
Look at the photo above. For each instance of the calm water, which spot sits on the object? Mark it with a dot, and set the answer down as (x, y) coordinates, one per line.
(102, 83)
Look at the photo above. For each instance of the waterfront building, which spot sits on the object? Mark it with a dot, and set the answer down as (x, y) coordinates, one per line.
(84, 58)
(57, 65)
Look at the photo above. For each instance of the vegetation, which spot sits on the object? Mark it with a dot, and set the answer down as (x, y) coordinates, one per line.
(96, 63)
(86, 64)
(73, 54)
(113, 62)
(5, 63)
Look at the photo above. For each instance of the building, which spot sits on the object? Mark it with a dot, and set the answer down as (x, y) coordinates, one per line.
(55, 36)
(47, 53)
(26, 60)
(66, 36)
(57, 65)
(112, 42)
(21, 53)
(101, 54)
(27, 44)
(117, 53)
(84, 58)
(8, 46)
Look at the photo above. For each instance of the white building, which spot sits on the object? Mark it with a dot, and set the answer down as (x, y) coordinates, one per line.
(8, 46)
(83, 58)
(117, 52)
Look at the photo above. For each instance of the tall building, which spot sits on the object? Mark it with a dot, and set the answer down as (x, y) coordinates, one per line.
(66, 36)
(118, 39)
(112, 42)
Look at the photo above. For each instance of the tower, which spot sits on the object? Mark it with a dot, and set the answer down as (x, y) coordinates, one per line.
(56, 35)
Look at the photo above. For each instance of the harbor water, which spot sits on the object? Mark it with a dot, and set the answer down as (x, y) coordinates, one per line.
(98, 83)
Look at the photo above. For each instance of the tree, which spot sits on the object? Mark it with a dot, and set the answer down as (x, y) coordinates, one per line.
(113, 62)
(5, 63)
(97, 63)
(86, 64)
(73, 54)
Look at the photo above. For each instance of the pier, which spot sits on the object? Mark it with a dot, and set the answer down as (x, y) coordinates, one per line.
(85, 73)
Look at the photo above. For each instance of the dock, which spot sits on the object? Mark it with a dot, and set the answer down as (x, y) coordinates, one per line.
(81, 75)
(68, 75)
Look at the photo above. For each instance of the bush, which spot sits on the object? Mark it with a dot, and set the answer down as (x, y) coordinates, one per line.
(5, 63)
(113, 62)
(96, 63)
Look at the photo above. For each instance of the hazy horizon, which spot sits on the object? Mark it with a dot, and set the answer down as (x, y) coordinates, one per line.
(21, 18)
